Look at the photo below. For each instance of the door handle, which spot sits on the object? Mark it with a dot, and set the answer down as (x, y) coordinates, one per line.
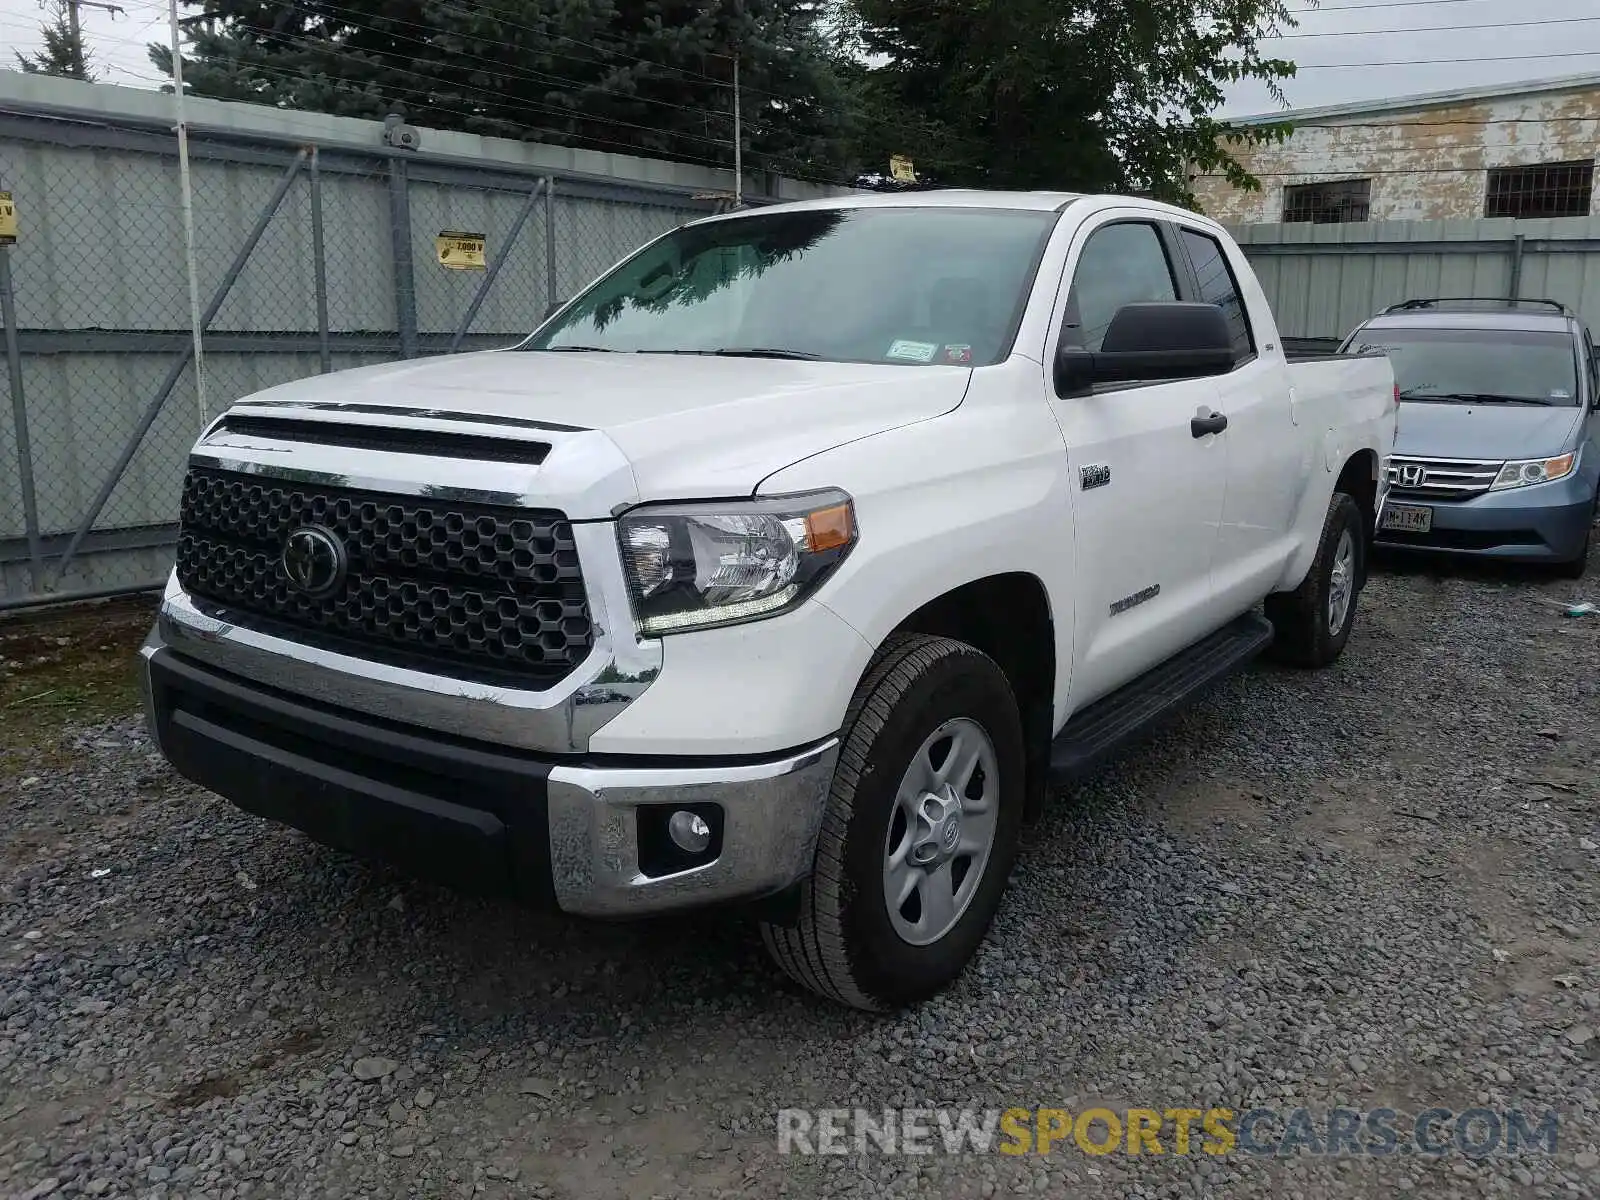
(1200, 426)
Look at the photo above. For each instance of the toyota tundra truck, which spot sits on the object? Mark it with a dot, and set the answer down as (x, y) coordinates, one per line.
(794, 563)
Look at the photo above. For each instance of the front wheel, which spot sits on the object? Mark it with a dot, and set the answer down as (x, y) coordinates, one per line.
(1577, 568)
(920, 831)
(1312, 623)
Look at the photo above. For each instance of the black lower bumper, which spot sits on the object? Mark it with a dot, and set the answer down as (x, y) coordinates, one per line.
(459, 814)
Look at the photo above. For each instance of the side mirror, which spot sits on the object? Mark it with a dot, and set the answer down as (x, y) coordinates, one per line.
(1151, 341)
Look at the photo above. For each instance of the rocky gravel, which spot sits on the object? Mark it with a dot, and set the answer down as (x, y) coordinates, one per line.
(1374, 886)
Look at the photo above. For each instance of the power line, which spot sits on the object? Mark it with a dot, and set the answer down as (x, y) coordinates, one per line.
(1386, 4)
(500, 68)
(1424, 62)
(1433, 29)
(793, 168)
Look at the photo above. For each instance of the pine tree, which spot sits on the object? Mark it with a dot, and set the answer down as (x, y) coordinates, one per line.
(1072, 94)
(64, 52)
(634, 76)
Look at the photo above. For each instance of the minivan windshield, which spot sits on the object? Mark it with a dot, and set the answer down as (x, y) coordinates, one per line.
(1485, 366)
(914, 286)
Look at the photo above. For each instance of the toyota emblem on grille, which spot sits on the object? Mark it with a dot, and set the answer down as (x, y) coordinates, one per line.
(314, 561)
(1413, 475)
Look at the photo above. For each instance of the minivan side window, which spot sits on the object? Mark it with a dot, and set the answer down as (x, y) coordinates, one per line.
(1593, 367)
(1218, 286)
(1124, 263)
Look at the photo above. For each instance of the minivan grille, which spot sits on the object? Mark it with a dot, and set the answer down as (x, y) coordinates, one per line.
(432, 583)
(1440, 478)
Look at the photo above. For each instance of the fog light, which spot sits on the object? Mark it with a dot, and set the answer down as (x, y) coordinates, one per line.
(689, 831)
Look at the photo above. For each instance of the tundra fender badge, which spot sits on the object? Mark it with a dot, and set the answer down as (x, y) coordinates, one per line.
(1094, 475)
(1138, 598)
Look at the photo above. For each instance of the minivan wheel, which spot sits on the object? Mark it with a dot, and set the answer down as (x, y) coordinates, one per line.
(1312, 624)
(920, 831)
(1577, 568)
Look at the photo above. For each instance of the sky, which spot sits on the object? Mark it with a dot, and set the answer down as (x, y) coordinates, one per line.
(1346, 49)
(116, 40)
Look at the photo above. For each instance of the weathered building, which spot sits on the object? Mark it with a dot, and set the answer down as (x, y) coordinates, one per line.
(1516, 150)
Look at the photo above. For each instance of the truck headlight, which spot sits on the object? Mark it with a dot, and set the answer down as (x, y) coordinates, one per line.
(691, 566)
(1534, 470)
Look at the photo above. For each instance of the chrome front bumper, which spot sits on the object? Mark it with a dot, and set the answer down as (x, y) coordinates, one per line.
(494, 819)
(772, 812)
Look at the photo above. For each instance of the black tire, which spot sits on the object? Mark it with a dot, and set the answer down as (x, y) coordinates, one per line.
(844, 945)
(1300, 619)
(1577, 568)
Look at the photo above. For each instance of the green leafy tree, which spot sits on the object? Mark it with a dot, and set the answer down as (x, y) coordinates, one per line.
(648, 77)
(64, 52)
(1106, 95)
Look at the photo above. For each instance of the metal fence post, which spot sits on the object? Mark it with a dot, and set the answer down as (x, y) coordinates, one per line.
(319, 266)
(405, 283)
(19, 414)
(488, 279)
(549, 244)
(175, 372)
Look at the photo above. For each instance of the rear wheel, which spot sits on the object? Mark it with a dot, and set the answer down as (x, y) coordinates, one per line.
(1312, 624)
(920, 831)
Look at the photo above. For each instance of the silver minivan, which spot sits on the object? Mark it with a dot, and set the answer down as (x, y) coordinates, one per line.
(1498, 449)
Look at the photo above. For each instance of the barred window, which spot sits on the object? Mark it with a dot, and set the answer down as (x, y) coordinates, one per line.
(1327, 203)
(1561, 189)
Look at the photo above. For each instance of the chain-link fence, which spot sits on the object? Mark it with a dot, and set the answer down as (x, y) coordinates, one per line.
(311, 255)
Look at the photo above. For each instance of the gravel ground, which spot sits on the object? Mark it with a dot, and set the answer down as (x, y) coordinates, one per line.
(1373, 886)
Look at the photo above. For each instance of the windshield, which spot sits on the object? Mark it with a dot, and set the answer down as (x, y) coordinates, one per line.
(1478, 365)
(910, 286)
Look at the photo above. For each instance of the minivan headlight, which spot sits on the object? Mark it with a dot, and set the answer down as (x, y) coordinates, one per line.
(1534, 470)
(693, 566)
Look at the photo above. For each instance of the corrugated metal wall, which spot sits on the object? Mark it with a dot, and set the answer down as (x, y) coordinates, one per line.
(1323, 280)
(99, 281)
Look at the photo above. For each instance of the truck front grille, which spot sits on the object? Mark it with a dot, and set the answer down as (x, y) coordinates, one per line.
(435, 584)
(1440, 478)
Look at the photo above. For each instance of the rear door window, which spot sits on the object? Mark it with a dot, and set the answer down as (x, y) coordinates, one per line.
(1218, 286)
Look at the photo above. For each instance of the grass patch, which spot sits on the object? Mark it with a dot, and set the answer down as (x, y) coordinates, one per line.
(67, 666)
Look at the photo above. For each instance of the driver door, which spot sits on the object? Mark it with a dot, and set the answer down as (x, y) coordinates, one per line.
(1149, 489)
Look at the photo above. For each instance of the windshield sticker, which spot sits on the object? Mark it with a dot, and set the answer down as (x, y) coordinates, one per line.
(922, 352)
(958, 354)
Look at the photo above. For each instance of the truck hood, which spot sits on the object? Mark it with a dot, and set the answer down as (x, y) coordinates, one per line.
(1488, 432)
(689, 425)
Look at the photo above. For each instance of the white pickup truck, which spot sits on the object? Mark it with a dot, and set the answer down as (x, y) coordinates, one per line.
(794, 562)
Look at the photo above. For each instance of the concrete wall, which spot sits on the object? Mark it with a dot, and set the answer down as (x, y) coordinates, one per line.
(1424, 163)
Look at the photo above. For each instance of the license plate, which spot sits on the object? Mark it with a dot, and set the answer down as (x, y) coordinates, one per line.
(1407, 518)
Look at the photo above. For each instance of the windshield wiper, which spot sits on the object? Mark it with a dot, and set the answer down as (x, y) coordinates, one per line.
(1475, 397)
(577, 350)
(765, 352)
(746, 352)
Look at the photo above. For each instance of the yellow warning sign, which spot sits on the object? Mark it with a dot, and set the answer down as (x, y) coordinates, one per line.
(8, 220)
(460, 251)
(902, 169)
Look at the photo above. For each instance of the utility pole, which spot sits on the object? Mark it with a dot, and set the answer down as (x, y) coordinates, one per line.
(738, 137)
(738, 141)
(186, 206)
(78, 51)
